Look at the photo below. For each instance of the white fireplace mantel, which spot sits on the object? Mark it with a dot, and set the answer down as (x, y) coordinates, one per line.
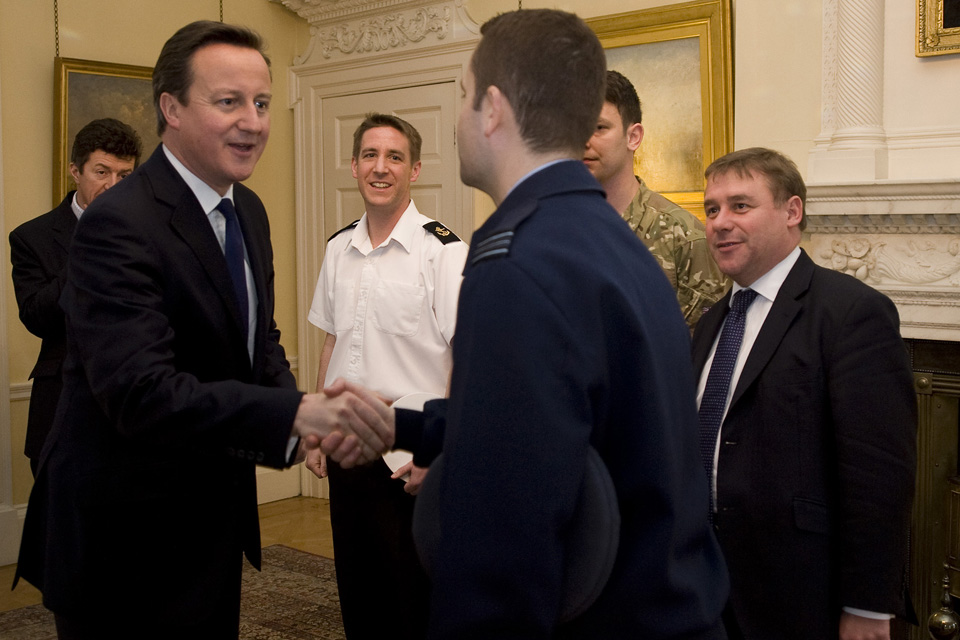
(903, 238)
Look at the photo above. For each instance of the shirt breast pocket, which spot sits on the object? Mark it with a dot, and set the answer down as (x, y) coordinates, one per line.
(397, 308)
(344, 307)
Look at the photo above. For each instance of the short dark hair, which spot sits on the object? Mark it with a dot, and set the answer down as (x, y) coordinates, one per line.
(108, 135)
(551, 68)
(374, 120)
(622, 95)
(173, 73)
(781, 172)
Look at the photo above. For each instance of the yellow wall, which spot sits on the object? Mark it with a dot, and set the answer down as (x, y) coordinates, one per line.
(128, 32)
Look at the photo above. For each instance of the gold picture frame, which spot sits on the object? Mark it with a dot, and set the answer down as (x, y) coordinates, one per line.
(938, 27)
(86, 90)
(679, 58)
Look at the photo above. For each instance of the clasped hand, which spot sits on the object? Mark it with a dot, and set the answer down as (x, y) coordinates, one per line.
(348, 422)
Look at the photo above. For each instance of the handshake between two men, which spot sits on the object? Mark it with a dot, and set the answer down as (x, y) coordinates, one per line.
(348, 422)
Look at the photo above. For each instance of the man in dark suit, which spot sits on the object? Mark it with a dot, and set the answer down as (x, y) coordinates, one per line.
(814, 461)
(175, 383)
(104, 152)
(565, 368)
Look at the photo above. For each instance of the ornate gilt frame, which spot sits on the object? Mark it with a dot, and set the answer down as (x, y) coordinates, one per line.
(127, 98)
(932, 38)
(710, 22)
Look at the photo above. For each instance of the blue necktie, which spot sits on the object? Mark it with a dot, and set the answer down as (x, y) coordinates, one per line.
(714, 397)
(233, 251)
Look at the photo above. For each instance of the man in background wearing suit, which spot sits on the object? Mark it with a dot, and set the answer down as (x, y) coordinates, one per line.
(813, 467)
(175, 383)
(674, 235)
(104, 152)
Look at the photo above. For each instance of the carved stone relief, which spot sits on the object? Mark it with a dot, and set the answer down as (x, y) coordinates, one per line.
(898, 260)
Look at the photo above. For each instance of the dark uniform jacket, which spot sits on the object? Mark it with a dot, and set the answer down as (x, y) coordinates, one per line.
(568, 335)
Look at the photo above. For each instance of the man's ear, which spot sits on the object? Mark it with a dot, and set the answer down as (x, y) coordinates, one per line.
(492, 109)
(170, 108)
(415, 173)
(634, 136)
(75, 172)
(794, 207)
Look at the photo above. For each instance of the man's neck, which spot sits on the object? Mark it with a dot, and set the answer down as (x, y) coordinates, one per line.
(516, 166)
(380, 223)
(621, 189)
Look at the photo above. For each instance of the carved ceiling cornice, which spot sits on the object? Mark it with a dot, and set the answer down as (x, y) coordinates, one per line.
(350, 27)
(323, 12)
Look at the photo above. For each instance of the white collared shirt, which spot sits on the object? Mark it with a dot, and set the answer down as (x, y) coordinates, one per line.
(392, 308)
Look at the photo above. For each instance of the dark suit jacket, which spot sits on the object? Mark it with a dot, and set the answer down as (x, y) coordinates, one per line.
(146, 493)
(817, 458)
(38, 251)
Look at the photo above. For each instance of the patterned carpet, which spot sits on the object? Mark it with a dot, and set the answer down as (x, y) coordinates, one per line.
(293, 598)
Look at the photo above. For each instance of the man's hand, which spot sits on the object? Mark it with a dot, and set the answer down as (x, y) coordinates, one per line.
(417, 474)
(350, 423)
(854, 627)
(316, 462)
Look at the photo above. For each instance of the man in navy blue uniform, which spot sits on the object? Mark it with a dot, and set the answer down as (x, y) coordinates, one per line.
(569, 340)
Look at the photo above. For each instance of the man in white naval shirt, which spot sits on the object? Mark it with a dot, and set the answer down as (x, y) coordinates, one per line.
(812, 447)
(387, 300)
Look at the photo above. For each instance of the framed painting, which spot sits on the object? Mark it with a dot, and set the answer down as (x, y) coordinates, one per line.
(679, 58)
(938, 27)
(86, 90)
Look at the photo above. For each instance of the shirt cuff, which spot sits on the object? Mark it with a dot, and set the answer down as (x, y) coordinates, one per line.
(873, 615)
(292, 446)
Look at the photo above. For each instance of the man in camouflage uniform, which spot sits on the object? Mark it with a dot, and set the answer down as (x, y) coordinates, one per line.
(674, 236)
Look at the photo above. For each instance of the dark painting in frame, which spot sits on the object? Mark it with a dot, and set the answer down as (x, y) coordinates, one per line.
(679, 58)
(938, 27)
(86, 90)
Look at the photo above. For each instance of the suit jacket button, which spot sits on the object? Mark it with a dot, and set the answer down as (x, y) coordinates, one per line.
(260, 457)
(231, 452)
(241, 454)
(251, 455)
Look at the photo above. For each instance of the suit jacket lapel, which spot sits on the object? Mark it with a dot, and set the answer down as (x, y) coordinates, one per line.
(706, 332)
(785, 308)
(190, 222)
(64, 224)
(255, 253)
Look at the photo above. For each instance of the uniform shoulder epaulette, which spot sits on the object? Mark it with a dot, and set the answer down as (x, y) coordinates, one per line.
(443, 234)
(496, 246)
(346, 228)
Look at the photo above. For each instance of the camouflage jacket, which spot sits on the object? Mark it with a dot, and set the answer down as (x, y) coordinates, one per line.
(676, 239)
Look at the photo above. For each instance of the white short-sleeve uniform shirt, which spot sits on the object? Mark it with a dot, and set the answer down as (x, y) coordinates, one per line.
(392, 308)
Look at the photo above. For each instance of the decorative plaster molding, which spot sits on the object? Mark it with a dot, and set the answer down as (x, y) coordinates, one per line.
(328, 11)
(884, 224)
(351, 27)
(894, 259)
(384, 32)
(828, 98)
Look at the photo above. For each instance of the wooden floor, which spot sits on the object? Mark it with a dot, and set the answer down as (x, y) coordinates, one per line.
(301, 523)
